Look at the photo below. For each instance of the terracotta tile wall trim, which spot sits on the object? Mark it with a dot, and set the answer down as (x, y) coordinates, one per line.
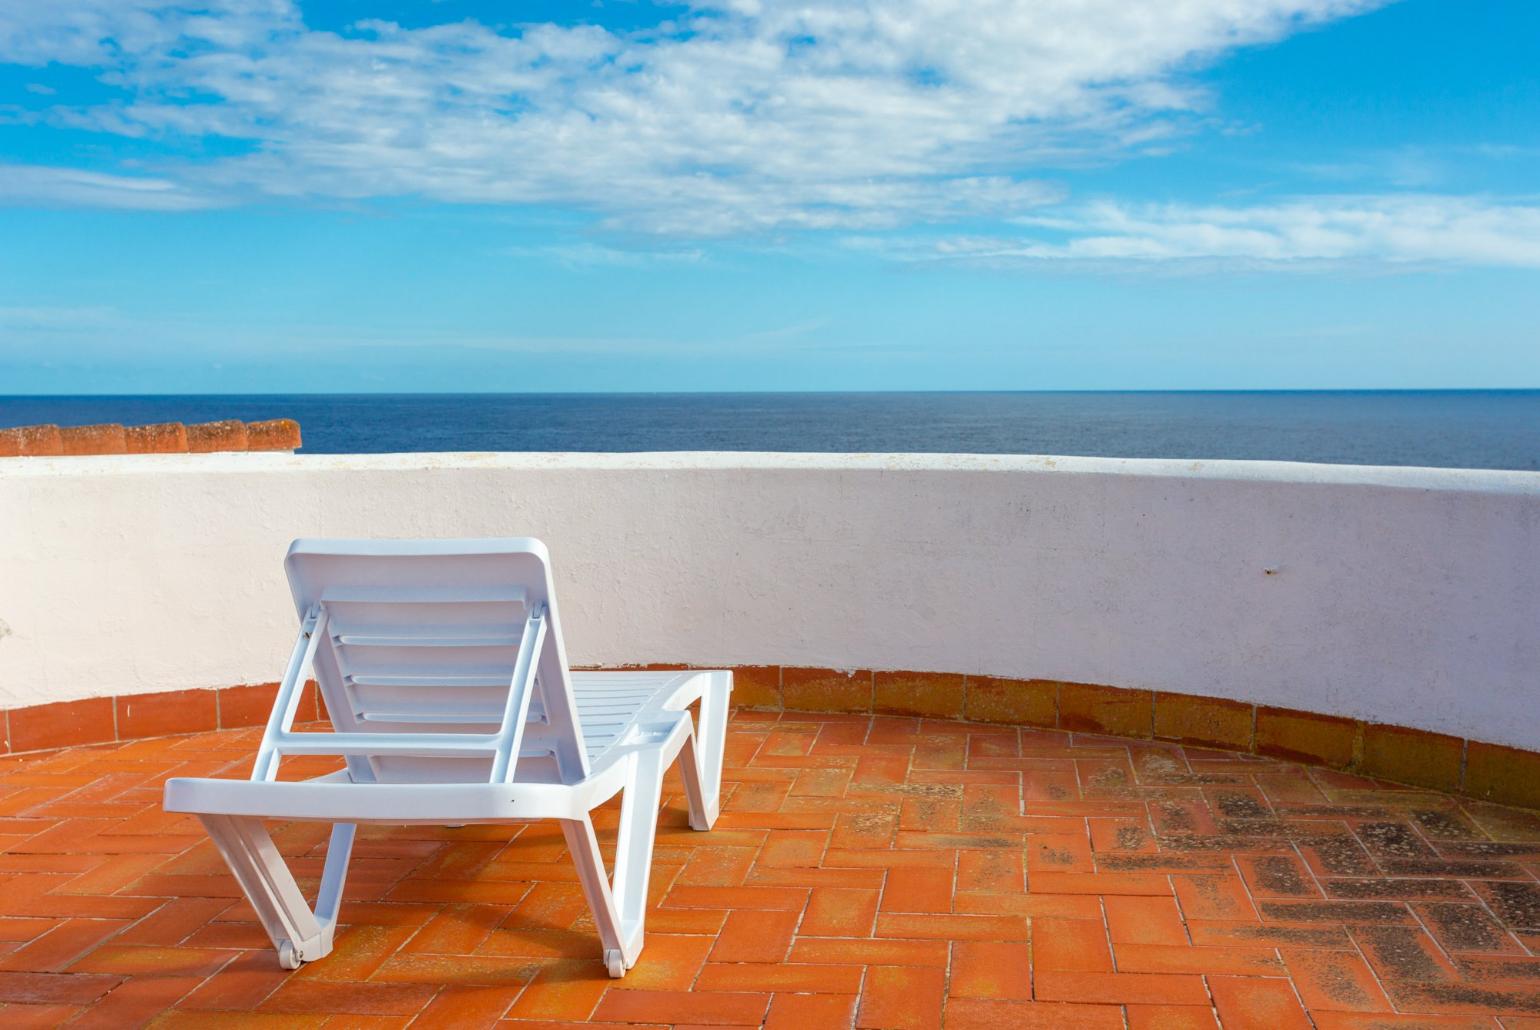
(104, 720)
(277, 434)
(1397, 754)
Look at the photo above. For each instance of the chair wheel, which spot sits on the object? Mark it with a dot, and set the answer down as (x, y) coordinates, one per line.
(616, 963)
(288, 957)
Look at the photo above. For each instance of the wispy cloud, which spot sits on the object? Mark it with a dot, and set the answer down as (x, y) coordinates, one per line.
(1305, 233)
(597, 255)
(55, 319)
(741, 116)
(40, 184)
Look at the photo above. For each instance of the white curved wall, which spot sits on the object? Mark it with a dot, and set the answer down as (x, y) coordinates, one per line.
(1409, 596)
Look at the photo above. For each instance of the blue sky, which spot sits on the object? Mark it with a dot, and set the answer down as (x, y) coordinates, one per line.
(348, 195)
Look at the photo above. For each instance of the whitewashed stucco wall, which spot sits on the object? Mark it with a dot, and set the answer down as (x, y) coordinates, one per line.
(1409, 596)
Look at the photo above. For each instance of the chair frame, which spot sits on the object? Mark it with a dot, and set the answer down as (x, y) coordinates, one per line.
(233, 811)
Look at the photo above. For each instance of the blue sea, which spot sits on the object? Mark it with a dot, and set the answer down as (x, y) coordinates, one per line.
(1455, 428)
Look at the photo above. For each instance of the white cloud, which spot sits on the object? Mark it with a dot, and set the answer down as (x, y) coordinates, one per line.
(745, 115)
(1306, 232)
(49, 319)
(41, 184)
(588, 254)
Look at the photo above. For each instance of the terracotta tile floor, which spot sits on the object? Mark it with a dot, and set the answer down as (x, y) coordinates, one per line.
(869, 872)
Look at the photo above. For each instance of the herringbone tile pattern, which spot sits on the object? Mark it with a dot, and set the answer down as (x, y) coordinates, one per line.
(867, 871)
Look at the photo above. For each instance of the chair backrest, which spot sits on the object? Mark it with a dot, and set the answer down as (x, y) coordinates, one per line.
(432, 637)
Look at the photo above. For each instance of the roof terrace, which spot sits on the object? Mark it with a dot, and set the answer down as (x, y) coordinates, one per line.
(1236, 744)
(870, 871)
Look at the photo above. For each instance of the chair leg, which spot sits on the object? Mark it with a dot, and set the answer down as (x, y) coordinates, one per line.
(296, 932)
(584, 848)
(334, 877)
(701, 761)
(621, 910)
(633, 847)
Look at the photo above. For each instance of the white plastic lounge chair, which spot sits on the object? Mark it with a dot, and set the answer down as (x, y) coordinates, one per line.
(442, 668)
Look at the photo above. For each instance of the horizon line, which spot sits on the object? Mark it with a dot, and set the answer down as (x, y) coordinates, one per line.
(775, 393)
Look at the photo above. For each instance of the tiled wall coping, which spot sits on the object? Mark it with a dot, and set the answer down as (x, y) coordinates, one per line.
(50, 441)
(1491, 772)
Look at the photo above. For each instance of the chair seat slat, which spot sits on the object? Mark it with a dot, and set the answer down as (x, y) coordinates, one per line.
(383, 640)
(467, 593)
(375, 679)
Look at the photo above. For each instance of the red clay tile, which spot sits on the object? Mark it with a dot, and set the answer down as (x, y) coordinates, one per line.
(1180, 958)
(826, 690)
(42, 1017)
(1091, 708)
(1256, 1001)
(988, 969)
(1070, 945)
(54, 988)
(992, 871)
(1502, 774)
(23, 930)
(1120, 988)
(1277, 876)
(876, 952)
(1171, 1017)
(1212, 721)
(794, 848)
(1335, 981)
(1417, 1021)
(361, 952)
(1058, 853)
(136, 1002)
(454, 1008)
(920, 926)
(240, 986)
(1148, 884)
(1018, 702)
(757, 686)
(918, 889)
(458, 930)
(764, 899)
(1144, 920)
(567, 990)
(246, 705)
(57, 950)
(807, 1011)
(31, 441)
(751, 936)
(274, 434)
(158, 715)
(157, 438)
(1407, 953)
(1412, 756)
(107, 438)
(1213, 897)
(226, 435)
(932, 694)
(902, 998)
(1305, 736)
(707, 1009)
(673, 962)
(130, 960)
(63, 724)
(866, 869)
(349, 998)
(839, 912)
(783, 977)
(980, 1014)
